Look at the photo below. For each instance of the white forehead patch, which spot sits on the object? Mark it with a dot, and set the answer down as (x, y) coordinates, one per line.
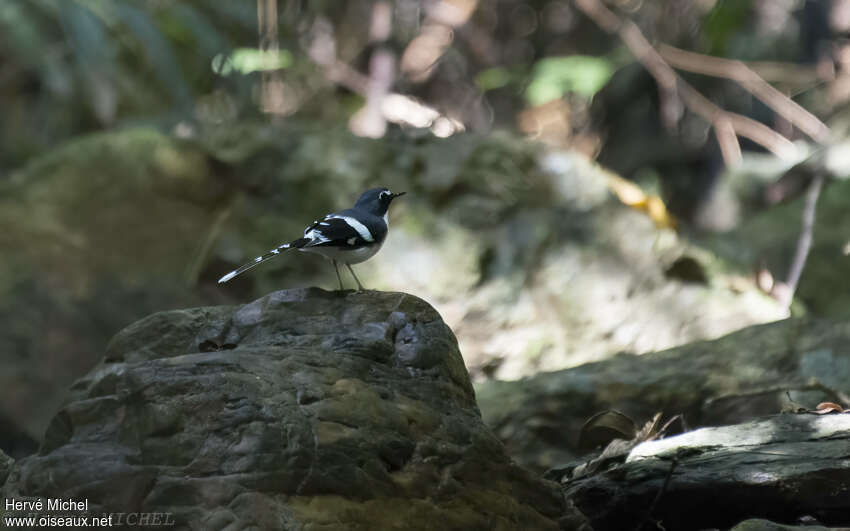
(384, 194)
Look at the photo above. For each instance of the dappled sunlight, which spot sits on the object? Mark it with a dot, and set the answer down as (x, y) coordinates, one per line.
(404, 110)
(602, 210)
(596, 291)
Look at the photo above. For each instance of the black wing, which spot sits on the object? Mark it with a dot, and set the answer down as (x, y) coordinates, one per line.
(338, 231)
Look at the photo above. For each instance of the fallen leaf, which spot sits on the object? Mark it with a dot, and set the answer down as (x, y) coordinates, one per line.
(828, 407)
(604, 427)
(633, 195)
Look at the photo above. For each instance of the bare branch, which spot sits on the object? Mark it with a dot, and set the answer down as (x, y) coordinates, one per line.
(799, 76)
(668, 80)
(272, 82)
(804, 244)
(752, 82)
(727, 140)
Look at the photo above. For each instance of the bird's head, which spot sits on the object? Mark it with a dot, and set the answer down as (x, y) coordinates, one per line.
(377, 200)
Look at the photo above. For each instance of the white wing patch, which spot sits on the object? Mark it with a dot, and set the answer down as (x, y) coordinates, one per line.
(315, 236)
(309, 227)
(356, 225)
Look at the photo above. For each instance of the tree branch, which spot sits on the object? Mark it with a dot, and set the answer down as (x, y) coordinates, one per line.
(752, 82)
(804, 244)
(671, 83)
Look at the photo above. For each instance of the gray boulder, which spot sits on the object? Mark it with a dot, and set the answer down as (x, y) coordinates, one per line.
(303, 409)
(787, 468)
(733, 379)
(527, 256)
(5, 465)
(96, 234)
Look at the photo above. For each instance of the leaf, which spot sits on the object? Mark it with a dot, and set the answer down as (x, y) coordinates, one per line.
(87, 34)
(828, 407)
(493, 78)
(158, 51)
(248, 60)
(210, 40)
(604, 427)
(633, 195)
(22, 34)
(726, 19)
(553, 77)
(608, 423)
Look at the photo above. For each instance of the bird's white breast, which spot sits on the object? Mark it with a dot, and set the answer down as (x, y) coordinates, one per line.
(354, 256)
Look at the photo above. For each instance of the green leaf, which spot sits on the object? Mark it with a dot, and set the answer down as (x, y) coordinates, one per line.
(210, 40)
(493, 78)
(89, 39)
(86, 33)
(248, 60)
(21, 34)
(158, 50)
(724, 21)
(553, 77)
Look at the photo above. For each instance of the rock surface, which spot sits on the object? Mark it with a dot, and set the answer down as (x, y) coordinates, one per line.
(5, 465)
(760, 524)
(769, 240)
(303, 409)
(96, 234)
(743, 375)
(529, 258)
(782, 468)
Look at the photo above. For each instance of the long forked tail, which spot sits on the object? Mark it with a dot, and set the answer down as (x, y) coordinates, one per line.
(260, 259)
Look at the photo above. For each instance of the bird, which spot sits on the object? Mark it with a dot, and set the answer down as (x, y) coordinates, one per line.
(349, 236)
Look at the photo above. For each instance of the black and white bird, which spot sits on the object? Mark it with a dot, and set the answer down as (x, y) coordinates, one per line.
(349, 236)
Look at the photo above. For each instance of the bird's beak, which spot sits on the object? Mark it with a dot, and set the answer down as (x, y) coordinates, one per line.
(398, 194)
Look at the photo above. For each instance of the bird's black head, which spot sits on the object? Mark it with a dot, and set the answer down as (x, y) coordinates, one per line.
(376, 201)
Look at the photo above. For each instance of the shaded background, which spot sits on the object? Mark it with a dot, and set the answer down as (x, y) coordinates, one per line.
(148, 147)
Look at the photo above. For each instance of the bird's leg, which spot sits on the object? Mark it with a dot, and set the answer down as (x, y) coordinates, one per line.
(339, 278)
(359, 285)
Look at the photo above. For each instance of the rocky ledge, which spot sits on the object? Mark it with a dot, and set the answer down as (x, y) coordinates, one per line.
(790, 468)
(303, 409)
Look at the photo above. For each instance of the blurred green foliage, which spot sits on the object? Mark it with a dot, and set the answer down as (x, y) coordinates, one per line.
(554, 77)
(72, 66)
(494, 78)
(726, 19)
(248, 60)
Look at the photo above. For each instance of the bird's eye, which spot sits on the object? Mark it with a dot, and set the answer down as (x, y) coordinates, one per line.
(384, 194)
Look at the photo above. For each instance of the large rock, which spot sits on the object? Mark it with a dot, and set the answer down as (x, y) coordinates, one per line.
(786, 468)
(303, 409)
(5, 465)
(96, 234)
(745, 374)
(529, 258)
